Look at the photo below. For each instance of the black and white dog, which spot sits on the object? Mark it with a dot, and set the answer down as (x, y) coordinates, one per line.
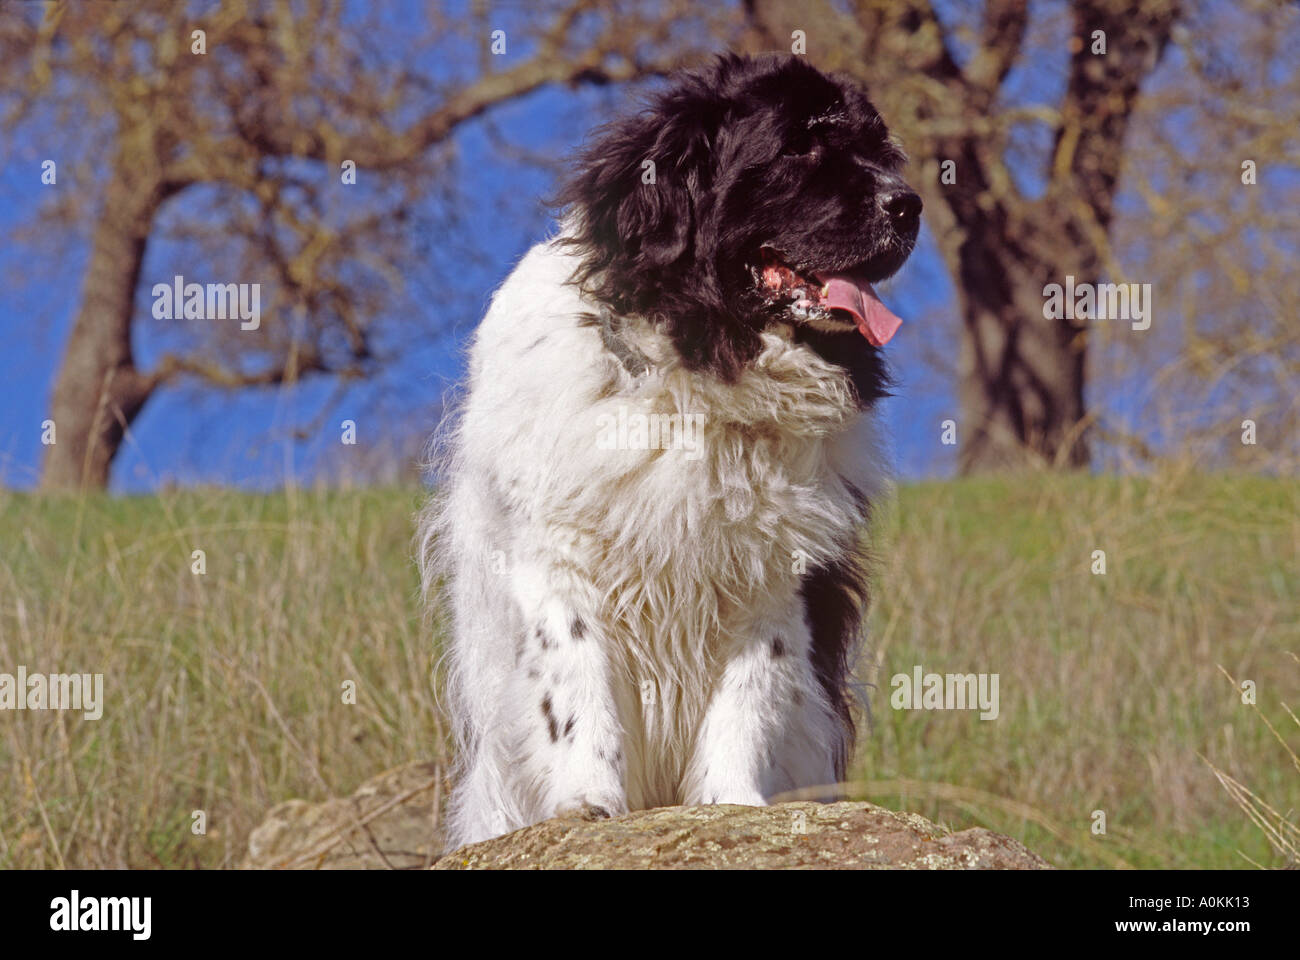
(650, 526)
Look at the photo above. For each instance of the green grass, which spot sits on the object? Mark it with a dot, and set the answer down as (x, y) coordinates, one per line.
(224, 691)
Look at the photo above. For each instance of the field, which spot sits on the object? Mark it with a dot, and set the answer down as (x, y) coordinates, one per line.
(225, 691)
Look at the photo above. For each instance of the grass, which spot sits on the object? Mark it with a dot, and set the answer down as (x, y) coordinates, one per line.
(1111, 695)
(225, 691)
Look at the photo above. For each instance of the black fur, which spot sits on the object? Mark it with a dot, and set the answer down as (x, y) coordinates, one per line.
(866, 368)
(748, 153)
(834, 599)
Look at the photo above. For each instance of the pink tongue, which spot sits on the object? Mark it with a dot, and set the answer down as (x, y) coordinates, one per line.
(875, 320)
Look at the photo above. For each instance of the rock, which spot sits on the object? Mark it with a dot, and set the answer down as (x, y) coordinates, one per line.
(389, 823)
(839, 836)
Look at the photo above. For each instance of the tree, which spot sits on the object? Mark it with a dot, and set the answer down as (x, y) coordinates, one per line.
(1211, 219)
(1021, 376)
(262, 102)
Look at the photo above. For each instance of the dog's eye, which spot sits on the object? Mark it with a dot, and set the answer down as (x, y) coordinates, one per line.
(806, 150)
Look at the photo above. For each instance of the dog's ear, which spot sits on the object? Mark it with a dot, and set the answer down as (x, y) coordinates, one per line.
(641, 213)
(633, 195)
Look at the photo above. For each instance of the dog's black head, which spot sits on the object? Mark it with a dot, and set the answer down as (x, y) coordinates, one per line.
(751, 191)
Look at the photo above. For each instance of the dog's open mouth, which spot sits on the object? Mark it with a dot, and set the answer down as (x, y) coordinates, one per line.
(833, 301)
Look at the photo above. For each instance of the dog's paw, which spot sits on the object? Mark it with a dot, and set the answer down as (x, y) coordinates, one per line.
(588, 810)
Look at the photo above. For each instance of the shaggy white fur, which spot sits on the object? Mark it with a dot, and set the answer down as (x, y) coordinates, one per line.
(627, 627)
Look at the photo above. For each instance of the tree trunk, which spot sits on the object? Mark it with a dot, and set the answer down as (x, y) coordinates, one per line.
(99, 392)
(1021, 376)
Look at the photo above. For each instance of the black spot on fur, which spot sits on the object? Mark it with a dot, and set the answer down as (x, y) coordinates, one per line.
(568, 725)
(542, 638)
(835, 598)
(614, 759)
(778, 648)
(549, 714)
(578, 628)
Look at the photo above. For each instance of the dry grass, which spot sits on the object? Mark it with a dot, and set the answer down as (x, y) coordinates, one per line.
(225, 690)
(1278, 827)
(1110, 685)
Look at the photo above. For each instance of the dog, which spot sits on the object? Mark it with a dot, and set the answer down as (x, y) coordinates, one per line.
(649, 530)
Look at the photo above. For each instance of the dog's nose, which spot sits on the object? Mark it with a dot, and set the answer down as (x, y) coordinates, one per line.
(903, 207)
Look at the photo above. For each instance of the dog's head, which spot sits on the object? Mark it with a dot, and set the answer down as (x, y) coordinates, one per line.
(752, 191)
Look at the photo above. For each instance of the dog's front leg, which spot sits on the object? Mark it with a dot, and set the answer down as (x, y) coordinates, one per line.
(572, 752)
(766, 728)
